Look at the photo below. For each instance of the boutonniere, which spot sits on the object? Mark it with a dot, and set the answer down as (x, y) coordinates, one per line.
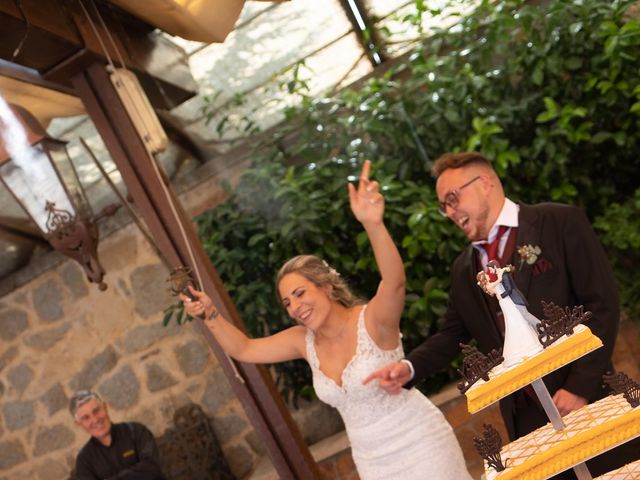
(531, 255)
(528, 254)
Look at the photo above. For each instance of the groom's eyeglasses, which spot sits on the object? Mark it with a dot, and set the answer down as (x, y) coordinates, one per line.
(452, 198)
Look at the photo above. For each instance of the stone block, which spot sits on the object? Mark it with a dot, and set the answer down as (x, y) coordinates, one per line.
(17, 415)
(48, 301)
(192, 357)
(7, 357)
(144, 336)
(146, 416)
(119, 252)
(239, 459)
(20, 377)
(217, 393)
(158, 378)
(227, 426)
(21, 299)
(53, 438)
(256, 443)
(11, 454)
(46, 339)
(94, 369)
(149, 289)
(317, 421)
(122, 389)
(74, 278)
(51, 469)
(54, 399)
(12, 323)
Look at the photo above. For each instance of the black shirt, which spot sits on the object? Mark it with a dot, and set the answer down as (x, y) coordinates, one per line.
(132, 455)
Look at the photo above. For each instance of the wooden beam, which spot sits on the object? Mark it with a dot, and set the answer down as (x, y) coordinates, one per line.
(36, 34)
(42, 99)
(58, 38)
(178, 241)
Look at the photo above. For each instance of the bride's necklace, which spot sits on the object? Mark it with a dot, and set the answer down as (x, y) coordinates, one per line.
(335, 335)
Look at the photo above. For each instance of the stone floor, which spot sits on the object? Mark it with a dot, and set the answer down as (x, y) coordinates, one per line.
(332, 454)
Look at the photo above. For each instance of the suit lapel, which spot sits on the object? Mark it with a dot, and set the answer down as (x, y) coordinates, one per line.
(528, 234)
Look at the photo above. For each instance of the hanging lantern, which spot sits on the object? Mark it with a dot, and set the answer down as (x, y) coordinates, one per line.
(39, 173)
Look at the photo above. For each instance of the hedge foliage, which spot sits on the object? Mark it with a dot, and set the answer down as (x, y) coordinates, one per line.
(551, 93)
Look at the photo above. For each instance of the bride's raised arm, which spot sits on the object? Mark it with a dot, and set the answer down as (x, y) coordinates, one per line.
(367, 204)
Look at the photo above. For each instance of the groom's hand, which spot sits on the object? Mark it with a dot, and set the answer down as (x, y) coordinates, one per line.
(566, 402)
(391, 377)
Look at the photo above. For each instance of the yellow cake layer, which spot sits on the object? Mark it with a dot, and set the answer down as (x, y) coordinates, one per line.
(631, 471)
(589, 431)
(503, 382)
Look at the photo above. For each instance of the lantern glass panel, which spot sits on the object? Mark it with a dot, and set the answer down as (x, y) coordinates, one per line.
(11, 208)
(69, 176)
(33, 181)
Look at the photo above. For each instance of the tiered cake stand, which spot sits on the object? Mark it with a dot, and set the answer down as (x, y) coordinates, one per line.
(565, 442)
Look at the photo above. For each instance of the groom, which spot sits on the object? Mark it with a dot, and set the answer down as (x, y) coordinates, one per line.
(558, 259)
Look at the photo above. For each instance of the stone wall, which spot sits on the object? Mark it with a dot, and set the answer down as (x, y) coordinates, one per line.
(60, 334)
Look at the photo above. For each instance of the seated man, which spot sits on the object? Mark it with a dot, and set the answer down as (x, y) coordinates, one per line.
(124, 451)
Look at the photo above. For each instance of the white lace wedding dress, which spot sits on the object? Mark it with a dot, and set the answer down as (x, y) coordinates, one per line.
(401, 436)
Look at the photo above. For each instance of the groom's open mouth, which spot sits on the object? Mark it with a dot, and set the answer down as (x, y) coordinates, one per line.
(463, 222)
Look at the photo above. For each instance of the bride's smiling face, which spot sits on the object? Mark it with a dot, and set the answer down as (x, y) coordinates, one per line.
(304, 301)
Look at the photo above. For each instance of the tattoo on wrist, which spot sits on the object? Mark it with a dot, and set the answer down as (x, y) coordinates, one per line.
(213, 315)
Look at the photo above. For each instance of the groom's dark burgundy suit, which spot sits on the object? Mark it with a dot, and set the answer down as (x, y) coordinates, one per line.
(572, 269)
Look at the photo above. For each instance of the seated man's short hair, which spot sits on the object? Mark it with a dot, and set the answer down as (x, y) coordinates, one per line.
(81, 397)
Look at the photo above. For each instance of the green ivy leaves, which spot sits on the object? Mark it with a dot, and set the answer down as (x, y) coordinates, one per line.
(551, 95)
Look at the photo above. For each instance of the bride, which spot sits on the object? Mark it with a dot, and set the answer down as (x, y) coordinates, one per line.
(343, 339)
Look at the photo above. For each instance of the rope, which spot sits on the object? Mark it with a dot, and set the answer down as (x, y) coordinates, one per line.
(97, 34)
(154, 163)
(113, 43)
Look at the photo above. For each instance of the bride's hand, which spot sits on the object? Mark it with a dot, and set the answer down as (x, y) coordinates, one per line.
(201, 303)
(367, 203)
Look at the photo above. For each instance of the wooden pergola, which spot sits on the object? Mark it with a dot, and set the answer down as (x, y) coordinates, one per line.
(54, 53)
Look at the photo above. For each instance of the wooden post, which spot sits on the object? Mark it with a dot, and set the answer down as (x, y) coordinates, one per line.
(175, 236)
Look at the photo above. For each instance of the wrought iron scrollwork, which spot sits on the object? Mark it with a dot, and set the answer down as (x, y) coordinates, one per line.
(77, 238)
(180, 278)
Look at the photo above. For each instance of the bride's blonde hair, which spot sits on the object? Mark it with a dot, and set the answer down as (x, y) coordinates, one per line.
(319, 272)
